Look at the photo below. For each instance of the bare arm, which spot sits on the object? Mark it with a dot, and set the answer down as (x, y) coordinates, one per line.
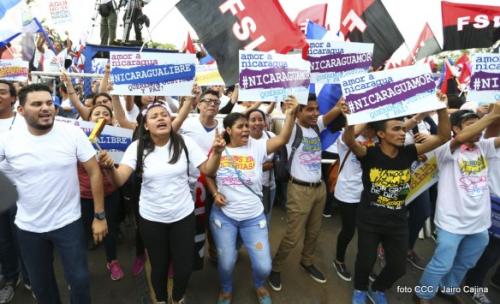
(73, 97)
(351, 132)
(129, 103)
(103, 85)
(118, 175)
(219, 198)
(99, 227)
(467, 133)
(120, 114)
(209, 167)
(415, 120)
(275, 143)
(442, 136)
(185, 109)
(334, 112)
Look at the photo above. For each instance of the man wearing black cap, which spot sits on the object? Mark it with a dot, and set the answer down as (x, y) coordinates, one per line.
(463, 210)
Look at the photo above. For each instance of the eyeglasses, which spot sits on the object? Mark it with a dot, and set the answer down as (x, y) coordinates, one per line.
(211, 101)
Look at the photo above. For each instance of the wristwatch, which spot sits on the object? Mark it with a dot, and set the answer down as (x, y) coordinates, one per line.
(100, 215)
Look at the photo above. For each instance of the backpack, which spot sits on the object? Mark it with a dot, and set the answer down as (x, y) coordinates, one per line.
(283, 163)
(334, 172)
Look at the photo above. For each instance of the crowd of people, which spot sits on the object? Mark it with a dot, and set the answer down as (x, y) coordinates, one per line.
(70, 194)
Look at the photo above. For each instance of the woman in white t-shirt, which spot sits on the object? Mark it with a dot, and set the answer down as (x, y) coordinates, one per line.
(238, 208)
(161, 159)
(258, 125)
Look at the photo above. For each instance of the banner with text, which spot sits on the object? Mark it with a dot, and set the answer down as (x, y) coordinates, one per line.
(153, 74)
(389, 94)
(332, 60)
(485, 79)
(272, 77)
(14, 69)
(59, 11)
(208, 75)
(423, 176)
(112, 139)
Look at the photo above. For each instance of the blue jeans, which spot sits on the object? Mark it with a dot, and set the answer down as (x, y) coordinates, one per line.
(454, 255)
(10, 257)
(254, 235)
(37, 250)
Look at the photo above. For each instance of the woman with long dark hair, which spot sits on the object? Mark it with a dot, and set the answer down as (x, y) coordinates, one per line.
(238, 210)
(161, 159)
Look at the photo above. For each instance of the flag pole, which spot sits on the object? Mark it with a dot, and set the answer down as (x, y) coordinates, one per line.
(409, 51)
(156, 25)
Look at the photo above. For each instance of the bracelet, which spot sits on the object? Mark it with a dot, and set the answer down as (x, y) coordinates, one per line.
(215, 194)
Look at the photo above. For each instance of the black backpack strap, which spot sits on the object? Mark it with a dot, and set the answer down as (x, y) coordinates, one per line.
(295, 145)
(187, 155)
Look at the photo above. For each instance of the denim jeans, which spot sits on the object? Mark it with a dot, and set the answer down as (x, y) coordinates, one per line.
(253, 233)
(454, 255)
(37, 250)
(10, 257)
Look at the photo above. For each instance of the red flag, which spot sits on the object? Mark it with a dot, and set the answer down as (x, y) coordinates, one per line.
(315, 13)
(427, 45)
(468, 26)
(227, 26)
(449, 74)
(464, 66)
(369, 21)
(189, 47)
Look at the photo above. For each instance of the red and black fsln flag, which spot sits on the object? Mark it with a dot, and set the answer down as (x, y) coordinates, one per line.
(227, 26)
(468, 26)
(369, 21)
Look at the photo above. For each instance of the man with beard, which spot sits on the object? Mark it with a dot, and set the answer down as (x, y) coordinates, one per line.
(43, 160)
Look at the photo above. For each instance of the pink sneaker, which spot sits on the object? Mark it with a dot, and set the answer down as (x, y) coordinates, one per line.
(116, 270)
(138, 266)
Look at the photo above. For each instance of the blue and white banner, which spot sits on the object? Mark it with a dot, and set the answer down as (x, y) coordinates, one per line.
(112, 139)
(485, 79)
(332, 60)
(389, 94)
(272, 77)
(153, 74)
(14, 69)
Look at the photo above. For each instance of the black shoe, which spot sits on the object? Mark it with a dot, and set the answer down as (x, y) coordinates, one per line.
(415, 260)
(314, 273)
(274, 280)
(342, 271)
(372, 277)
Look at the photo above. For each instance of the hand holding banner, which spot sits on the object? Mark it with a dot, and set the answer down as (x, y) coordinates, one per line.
(332, 60)
(485, 80)
(389, 94)
(273, 77)
(152, 74)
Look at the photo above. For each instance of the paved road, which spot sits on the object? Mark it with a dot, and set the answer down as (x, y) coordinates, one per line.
(203, 288)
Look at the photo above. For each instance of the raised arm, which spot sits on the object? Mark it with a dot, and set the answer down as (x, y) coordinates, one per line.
(120, 114)
(334, 112)
(443, 132)
(185, 109)
(103, 85)
(73, 97)
(351, 132)
(209, 167)
(467, 133)
(275, 143)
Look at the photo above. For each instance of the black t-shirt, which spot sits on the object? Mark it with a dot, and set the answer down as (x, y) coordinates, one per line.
(386, 183)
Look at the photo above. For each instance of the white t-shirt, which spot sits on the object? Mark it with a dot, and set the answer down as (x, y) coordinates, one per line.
(165, 195)
(268, 176)
(8, 124)
(494, 174)
(349, 185)
(463, 202)
(45, 173)
(242, 204)
(192, 128)
(306, 163)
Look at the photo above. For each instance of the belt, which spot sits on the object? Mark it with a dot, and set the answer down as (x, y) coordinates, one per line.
(306, 184)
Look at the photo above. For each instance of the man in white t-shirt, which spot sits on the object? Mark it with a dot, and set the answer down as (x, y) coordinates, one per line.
(42, 159)
(463, 208)
(10, 258)
(306, 192)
